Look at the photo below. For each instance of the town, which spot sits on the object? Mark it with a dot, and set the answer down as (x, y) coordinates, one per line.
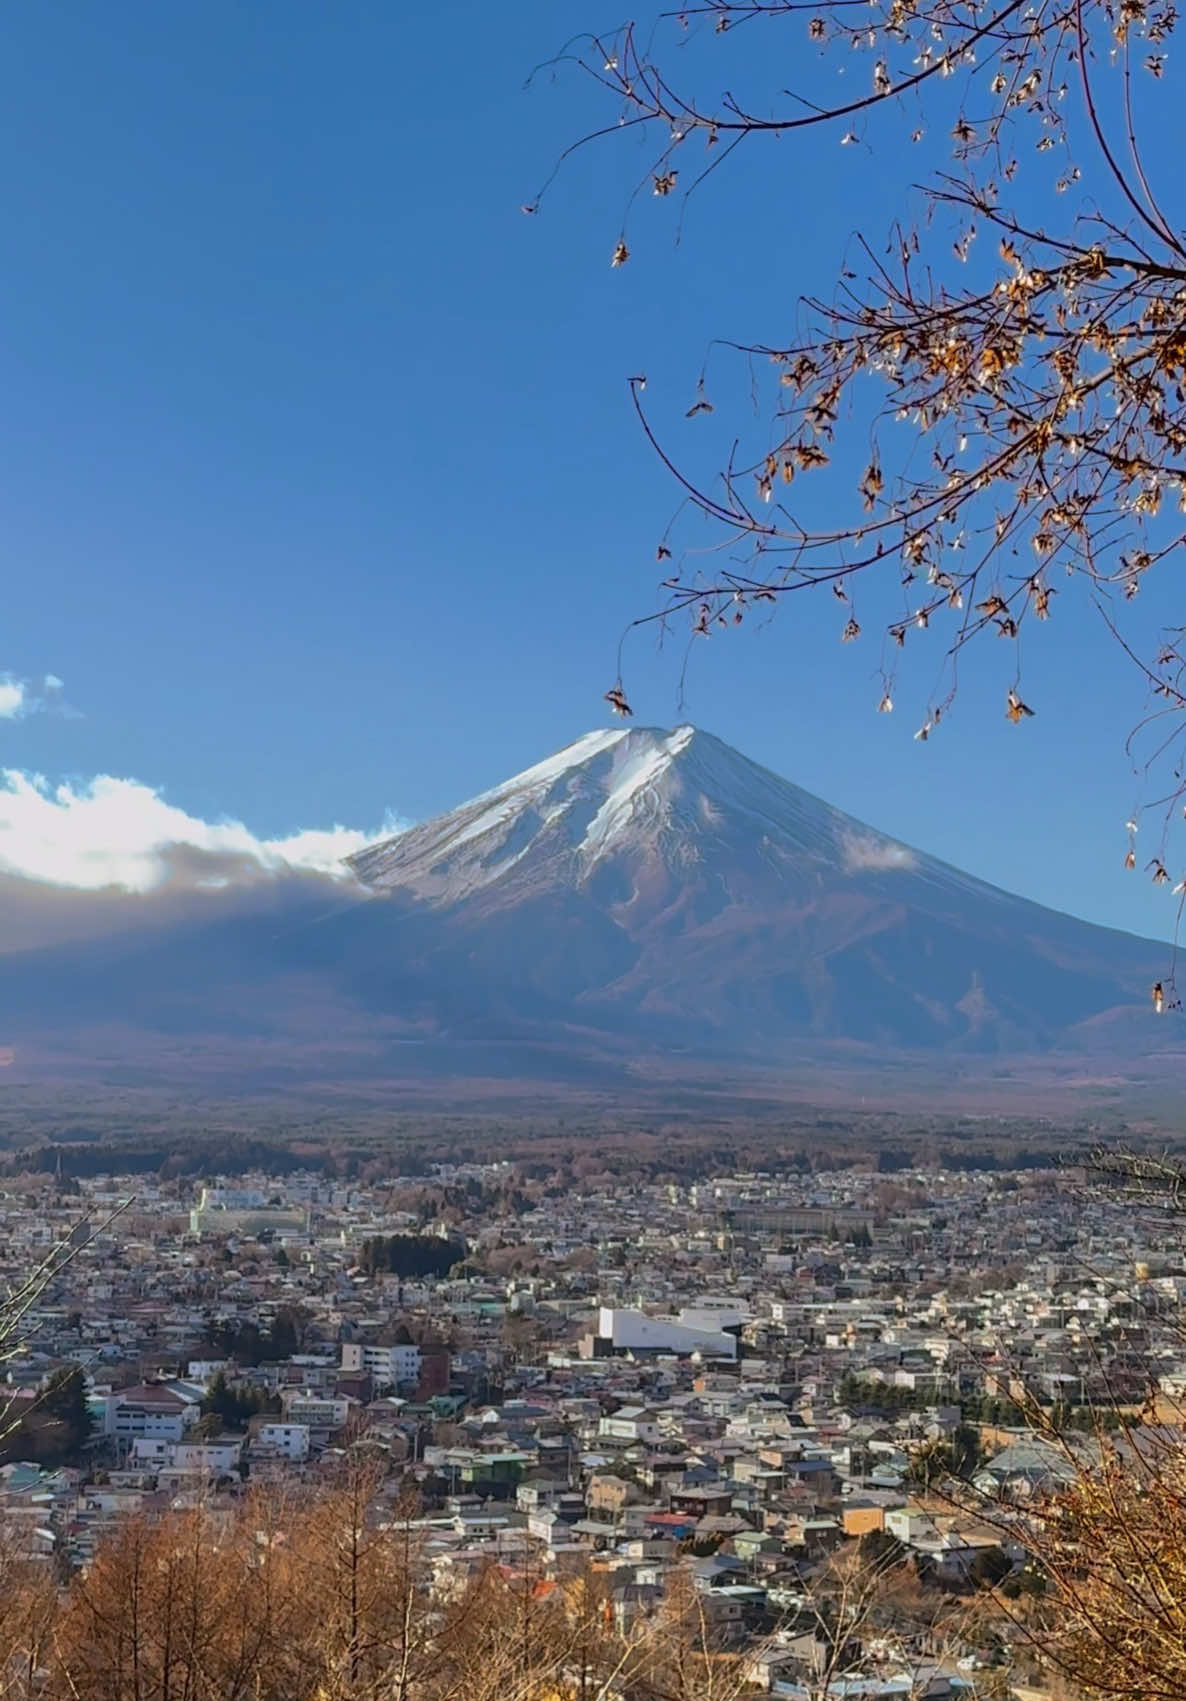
(738, 1383)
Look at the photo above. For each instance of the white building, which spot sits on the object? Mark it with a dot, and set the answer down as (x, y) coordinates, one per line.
(315, 1411)
(283, 1440)
(154, 1409)
(637, 1331)
(231, 1199)
(388, 1365)
(217, 1457)
(714, 1315)
(204, 1370)
(630, 1423)
(150, 1453)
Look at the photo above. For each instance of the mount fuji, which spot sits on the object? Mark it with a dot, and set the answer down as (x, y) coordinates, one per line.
(642, 894)
(662, 878)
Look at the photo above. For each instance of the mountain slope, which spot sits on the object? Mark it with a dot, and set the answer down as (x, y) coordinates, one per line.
(678, 881)
(640, 893)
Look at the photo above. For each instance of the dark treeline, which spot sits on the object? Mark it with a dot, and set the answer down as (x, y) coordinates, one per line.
(869, 1394)
(556, 1152)
(409, 1255)
(88, 1157)
(55, 1429)
(225, 1407)
(246, 1343)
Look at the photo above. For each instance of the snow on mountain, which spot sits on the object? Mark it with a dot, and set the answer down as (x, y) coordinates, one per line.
(661, 877)
(682, 797)
(641, 893)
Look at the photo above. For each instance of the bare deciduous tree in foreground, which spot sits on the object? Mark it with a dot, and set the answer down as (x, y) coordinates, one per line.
(1003, 379)
(342, 1594)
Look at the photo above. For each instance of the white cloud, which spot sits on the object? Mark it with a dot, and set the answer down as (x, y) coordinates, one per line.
(13, 695)
(19, 697)
(109, 832)
(865, 853)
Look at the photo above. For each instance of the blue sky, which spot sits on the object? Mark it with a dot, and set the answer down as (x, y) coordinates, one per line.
(322, 490)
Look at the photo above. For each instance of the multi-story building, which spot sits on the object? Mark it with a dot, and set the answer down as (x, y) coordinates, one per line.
(388, 1366)
(153, 1409)
(314, 1411)
(283, 1441)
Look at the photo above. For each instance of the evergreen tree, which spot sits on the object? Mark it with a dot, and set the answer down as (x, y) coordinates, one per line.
(65, 1402)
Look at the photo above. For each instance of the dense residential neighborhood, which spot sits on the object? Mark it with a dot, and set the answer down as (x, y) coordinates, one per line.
(736, 1382)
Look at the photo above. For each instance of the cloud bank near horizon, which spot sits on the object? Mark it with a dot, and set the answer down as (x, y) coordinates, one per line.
(110, 834)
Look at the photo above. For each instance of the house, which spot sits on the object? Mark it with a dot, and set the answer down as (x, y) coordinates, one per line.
(1025, 1467)
(150, 1453)
(495, 1475)
(218, 1456)
(281, 1440)
(750, 1545)
(204, 1370)
(538, 1490)
(315, 1411)
(926, 1684)
(152, 1409)
(610, 1494)
(730, 1610)
(763, 1666)
(629, 1424)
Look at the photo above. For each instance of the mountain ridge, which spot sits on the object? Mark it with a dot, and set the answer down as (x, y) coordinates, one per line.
(860, 846)
(686, 847)
(640, 893)
(652, 778)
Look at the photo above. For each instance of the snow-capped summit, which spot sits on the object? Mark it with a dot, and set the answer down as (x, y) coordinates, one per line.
(642, 895)
(655, 876)
(680, 799)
